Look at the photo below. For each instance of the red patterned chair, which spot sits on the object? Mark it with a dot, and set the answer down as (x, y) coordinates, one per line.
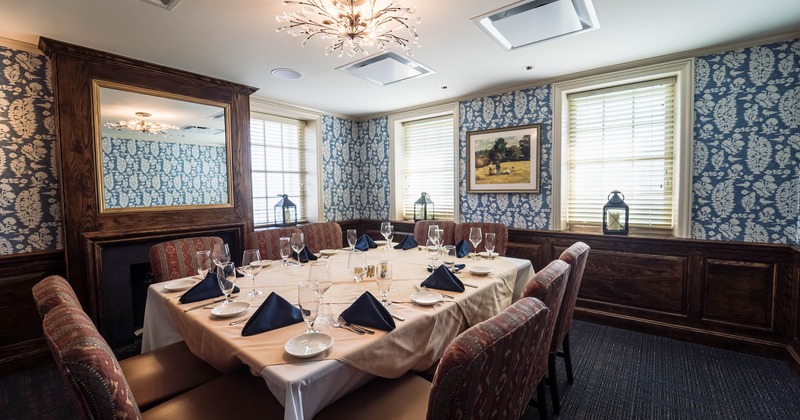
(266, 241)
(319, 236)
(548, 285)
(176, 259)
(51, 291)
(500, 230)
(575, 256)
(107, 389)
(421, 231)
(485, 373)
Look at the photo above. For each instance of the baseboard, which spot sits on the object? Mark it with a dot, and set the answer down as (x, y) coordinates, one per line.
(793, 357)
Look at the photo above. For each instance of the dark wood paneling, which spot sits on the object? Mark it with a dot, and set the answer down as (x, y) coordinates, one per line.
(739, 293)
(21, 341)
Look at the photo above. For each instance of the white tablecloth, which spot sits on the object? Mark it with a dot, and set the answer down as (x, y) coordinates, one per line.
(303, 387)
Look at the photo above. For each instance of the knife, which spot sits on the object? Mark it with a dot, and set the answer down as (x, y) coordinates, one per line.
(204, 305)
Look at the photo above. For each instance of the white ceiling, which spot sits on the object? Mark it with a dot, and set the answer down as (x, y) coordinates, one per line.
(236, 40)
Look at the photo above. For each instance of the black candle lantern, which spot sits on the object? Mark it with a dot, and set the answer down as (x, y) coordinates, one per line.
(423, 208)
(285, 211)
(615, 214)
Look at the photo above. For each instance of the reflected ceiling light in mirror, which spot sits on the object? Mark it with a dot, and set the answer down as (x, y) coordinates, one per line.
(142, 126)
(352, 26)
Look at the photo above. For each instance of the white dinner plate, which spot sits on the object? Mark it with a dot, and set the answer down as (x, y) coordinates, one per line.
(426, 298)
(178, 285)
(231, 309)
(480, 270)
(488, 254)
(382, 242)
(308, 345)
(329, 251)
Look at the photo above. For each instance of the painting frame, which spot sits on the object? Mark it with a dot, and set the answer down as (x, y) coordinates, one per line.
(493, 168)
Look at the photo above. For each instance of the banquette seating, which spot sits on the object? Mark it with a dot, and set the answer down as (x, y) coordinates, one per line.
(176, 259)
(319, 236)
(500, 230)
(448, 228)
(266, 241)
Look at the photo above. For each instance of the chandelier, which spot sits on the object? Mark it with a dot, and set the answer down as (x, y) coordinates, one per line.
(352, 25)
(142, 126)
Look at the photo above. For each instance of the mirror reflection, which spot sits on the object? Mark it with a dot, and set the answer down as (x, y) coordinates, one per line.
(160, 151)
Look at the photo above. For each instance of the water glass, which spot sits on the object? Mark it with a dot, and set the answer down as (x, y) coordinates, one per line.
(386, 231)
(203, 262)
(251, 266)
(319, 273)
(308, 301)
(432, 251)
(220, 254)
(285, 248)
(226, 278)
(384, 279)
(489, 243)
(475, 236)
(298, 243)
(357, 265)
(352, 238)
(449, 256)
(432, 233)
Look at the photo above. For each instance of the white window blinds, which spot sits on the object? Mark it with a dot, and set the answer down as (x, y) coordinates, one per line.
(429, 156)
(277, 155)
(622, 138)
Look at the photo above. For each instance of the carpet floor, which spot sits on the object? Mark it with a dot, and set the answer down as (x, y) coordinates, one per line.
(619, 374)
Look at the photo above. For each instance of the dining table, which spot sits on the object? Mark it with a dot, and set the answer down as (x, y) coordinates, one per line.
(306, 385)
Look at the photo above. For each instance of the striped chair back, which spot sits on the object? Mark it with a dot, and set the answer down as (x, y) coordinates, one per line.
(267, 241)
(176, 259)
(421, 231)
(500, 230)
(52, 291)
(576, 256)
(319, 236)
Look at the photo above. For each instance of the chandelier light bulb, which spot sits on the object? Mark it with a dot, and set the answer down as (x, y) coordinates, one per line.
(142, 126)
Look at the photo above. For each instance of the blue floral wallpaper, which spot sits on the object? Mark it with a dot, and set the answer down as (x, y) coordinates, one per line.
(30, 213)
(342, 168)
(747, 145)
(373, 136)
(144, 173)
(522, 107)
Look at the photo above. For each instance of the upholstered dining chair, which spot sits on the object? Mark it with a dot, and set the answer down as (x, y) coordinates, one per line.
(485, 372)
(421, 231)
(576, 256)
(548, 285)
(176, 259)
(168, 383)
(267, 241)
(319, 236)
(51, 291)
(500, 230)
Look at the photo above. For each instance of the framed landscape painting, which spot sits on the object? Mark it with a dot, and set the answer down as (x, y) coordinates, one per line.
(504, 160)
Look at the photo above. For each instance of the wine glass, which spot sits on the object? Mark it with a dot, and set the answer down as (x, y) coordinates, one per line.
(203, 262)
(384, 279)
(432, 251)
(475, 237)
(386, 231)
(285, 249)
(298, 245)
(251, 265)
(308, 301)
(439, 237)
(357, 265)
(226, 277)
(488, 243)
(432, 233)
(319, 273)
(352, 238)
(220, 254)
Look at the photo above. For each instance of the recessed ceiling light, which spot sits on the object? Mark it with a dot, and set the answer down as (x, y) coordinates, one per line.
(286, 74)
(443, 87)
(527, 68)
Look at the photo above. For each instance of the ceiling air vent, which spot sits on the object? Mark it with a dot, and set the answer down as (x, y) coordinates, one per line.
(386, 68)
(167, 4)
(532, 21)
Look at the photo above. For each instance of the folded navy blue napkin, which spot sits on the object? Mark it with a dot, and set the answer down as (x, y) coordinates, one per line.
(407, 243)
(443, 279)
(368, 312)
(462, 248)
(457, 267)
(206, 289)
(276, 312)
(305, 255)
(365, 243)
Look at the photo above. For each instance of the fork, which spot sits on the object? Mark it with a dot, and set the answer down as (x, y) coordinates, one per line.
(355, 327)
(428, 290)
(336, 324)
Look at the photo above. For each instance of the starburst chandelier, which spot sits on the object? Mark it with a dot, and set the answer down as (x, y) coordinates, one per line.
(353, 26)
(142, 126)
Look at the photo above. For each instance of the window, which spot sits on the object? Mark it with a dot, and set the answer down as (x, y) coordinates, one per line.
(277, 149)
(627, 134)
(425, 161)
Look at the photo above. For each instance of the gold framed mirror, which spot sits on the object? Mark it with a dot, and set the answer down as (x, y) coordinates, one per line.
(160, 151)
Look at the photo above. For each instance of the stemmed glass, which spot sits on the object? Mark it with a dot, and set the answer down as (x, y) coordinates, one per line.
(433, 252)
(298, 245)
(384, 279)
(352, 238)
(475, 237)
(203, 262)
(357, 265)
(285, 249)
(319, 273)
(432, 233)
(226, 278)
(386, 231)
(439, 233)
(251, 266)
(220, 254)
(488, 243)
(308, 301)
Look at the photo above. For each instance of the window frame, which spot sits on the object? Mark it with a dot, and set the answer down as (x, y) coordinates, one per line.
(683, 71)
(396, 139)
